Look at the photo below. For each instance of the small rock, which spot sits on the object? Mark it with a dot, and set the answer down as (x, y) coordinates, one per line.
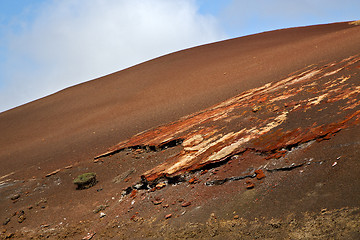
(168, 216)
(160, 185)
(186, 204)
(9, 235)
(41, 202)
(7, 220)
(193, 180)
(334, 164)
(84, 181)
(15, 197)
(100, 208)
(275, 223)
(236, 217)
(102, 214)
(259, 174)
(21, 218)
(157, 202)
(68, 167)
(133, 193)
(250, 185)
(323, 211)
(53, 173)
(89, 236)
(256, 108)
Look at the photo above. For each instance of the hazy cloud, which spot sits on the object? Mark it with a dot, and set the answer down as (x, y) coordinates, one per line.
(72, 41)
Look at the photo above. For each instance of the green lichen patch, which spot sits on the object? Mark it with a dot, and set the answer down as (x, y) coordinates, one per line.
(85, 180)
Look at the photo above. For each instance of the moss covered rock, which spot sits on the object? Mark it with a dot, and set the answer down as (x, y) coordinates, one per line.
(85, 180)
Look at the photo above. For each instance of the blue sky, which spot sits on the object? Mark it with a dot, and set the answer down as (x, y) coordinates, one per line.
(48, 45)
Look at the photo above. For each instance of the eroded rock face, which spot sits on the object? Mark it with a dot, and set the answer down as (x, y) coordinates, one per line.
(270, 121)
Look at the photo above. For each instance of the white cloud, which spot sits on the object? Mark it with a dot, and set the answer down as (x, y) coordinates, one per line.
(72, 41)
(242, 17)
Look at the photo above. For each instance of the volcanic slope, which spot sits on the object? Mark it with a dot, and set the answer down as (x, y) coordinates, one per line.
(254, 137)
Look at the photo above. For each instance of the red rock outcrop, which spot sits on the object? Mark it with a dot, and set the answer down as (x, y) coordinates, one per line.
(269, 120)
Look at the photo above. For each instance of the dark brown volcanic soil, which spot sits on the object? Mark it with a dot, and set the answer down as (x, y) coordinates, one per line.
(309, 155)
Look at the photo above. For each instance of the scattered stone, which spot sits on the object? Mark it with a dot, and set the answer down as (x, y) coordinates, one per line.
(102, 214)
(256, 108)
(160, 185)
(100, 208)
(323, 211)
(236, 217)
(15, 197)
(7, 220)
(204, 172)
(86, 180)
(89, 236)
(53, 173)
(133, 193)
(21, 216)
(166, 206)
(250, 184)
(168, 216)
(259, 174)
(42, 201)
(193, 180)
(186, 204)
(9, 235)
(139, 151)
(157, 201)
(276, 108)
(275, 223)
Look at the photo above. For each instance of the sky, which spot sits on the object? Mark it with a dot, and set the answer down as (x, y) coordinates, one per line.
(49, 45)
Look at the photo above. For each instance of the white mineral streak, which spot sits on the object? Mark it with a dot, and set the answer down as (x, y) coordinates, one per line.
(282, 97)
(188, 158)
(317, 100)
(196, 145)
(343, 79)
(194, 140)
(333, 72)
(277, 121)
(251, 134)
(306, 76)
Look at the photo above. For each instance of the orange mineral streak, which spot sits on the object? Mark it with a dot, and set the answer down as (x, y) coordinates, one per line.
(269, 120)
